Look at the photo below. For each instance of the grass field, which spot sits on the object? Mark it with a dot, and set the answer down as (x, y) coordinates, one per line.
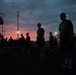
(18, 61)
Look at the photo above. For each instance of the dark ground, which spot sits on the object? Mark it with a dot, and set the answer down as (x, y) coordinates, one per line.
(14, 61)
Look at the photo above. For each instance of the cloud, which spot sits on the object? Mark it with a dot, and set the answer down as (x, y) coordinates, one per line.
(46, 12)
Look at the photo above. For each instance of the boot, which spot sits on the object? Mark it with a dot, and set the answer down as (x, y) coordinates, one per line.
(69, 64)
(65, 63)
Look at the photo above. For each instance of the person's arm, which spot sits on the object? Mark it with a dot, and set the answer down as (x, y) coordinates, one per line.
(71, 31)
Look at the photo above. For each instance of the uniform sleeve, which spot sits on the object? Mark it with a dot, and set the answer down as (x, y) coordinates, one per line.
(71, 26)
(42, 30)
(71, 30)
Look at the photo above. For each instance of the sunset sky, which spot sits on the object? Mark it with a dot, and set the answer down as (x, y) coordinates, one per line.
(46, 12)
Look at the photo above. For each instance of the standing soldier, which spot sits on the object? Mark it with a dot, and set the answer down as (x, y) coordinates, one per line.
(40, 38)
(28, 42)
(66, 40)
(22, 42)
(51, 41)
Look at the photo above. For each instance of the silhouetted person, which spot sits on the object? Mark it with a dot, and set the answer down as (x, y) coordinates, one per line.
(1, 21)
(3, 43)
(28, 42)
(55, 43)
(66, 39)
(11, 42)
(40, 38)
(51, 41)
(1, 35)
(22, 41)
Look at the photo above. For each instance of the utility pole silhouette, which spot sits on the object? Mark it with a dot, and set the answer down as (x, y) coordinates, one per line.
(2, 24)
(18, 15)
(4, 33)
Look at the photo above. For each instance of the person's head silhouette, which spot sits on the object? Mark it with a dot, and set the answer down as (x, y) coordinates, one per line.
(10, 37)
(27, 34)
(63, 16)
(39, 25)
(21, 34)
(50, 33)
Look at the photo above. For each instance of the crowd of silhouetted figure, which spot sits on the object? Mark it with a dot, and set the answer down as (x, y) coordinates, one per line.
(66, 44)
(23, 42)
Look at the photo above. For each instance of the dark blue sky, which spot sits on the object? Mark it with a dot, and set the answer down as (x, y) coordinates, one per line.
(46, 12)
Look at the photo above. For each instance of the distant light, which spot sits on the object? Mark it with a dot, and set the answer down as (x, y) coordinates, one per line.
(67, 16)
(18, 32)
(55, 33)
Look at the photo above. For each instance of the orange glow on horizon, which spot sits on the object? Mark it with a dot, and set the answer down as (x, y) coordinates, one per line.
(14, 36)
(11, 30)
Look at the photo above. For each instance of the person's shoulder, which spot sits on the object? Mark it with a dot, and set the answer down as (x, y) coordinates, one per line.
(68, 20)
(42, 28)
(28, 36)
